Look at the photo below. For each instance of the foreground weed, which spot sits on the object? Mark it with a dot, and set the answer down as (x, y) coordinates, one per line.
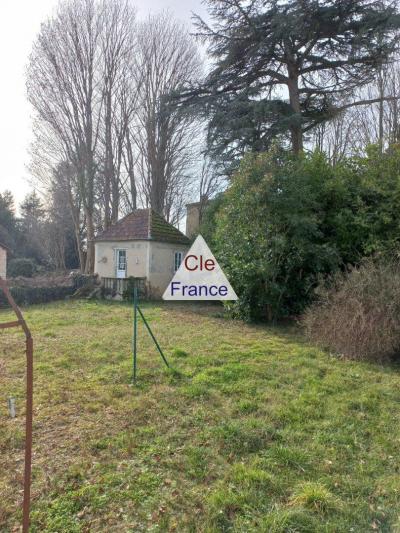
(316, 497)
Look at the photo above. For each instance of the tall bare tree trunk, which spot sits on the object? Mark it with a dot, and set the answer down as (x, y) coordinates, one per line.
(89, 267)
(164, 136)
(77, 232)
(89, 211)
(108, 163)
(130, 161)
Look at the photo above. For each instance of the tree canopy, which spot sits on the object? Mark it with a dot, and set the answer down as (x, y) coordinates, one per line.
(8, 222)
(281, 68)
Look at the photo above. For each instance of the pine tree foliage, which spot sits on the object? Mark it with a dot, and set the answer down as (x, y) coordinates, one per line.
(279, 68)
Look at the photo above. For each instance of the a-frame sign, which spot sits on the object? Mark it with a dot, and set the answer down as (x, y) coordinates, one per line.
(199, 277)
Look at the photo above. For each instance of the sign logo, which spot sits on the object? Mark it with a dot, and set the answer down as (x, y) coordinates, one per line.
(199, 277)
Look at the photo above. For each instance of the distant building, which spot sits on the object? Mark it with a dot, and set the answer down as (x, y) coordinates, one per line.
(3, 260)
(143, 245)
(194, 215)
(192, 219)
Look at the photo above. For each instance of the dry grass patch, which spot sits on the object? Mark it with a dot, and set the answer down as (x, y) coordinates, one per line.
(358, 313)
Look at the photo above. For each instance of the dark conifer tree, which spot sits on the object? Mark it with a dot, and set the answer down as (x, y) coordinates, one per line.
(8, 222)
(282, 67)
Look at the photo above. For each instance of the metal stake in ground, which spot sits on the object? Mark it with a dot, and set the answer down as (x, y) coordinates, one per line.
(136, 311)
(134, 331)
(29, 400)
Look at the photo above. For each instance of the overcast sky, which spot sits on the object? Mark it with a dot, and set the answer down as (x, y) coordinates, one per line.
(19, 25)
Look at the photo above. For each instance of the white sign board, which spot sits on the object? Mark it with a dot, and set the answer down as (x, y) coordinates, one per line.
(199, 277)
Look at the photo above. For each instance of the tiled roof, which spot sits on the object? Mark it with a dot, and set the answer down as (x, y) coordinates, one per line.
(143, 224)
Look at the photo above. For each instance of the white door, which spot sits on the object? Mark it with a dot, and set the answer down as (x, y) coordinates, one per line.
(121, 263)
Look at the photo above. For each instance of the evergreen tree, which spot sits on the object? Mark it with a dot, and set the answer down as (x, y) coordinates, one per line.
(32, 221)
(60, 232)
(32, 211)
(8, 222)
(281, 68)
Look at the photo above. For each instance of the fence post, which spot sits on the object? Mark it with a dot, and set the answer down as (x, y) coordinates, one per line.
(29, 401)
(135, 298)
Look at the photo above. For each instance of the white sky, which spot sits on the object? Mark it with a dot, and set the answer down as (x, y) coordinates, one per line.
(19, 25)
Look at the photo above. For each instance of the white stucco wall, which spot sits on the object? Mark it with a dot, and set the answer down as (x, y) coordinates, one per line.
(136, 258)
(148, 259)
(161, 267)
(3, 262)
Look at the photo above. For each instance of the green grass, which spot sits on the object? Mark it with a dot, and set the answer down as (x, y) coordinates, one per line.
(252, 429)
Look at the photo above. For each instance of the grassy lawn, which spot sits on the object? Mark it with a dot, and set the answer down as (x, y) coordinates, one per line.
(253, 430)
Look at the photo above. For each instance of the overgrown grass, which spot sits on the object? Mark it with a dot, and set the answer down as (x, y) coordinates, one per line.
(252, 430)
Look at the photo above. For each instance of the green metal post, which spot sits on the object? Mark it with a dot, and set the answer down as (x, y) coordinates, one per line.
(152, 336)
(135, 308)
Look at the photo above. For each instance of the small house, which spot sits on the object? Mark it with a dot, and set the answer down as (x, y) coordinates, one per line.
(143, 245)
(3, 260)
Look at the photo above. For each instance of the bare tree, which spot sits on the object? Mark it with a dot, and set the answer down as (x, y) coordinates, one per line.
(118, 42)
(56, 176)
(164, 137)
(375, 121)
(105, 135)
(63, 87)
(335, 138)
(210, 183)
(60, 239)
(379, 123)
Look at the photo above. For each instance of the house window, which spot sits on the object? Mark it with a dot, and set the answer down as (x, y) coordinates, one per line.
(177, 260)
(121, 263)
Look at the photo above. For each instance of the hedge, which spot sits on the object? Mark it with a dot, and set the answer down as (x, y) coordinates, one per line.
(37, 295)
(21, 266)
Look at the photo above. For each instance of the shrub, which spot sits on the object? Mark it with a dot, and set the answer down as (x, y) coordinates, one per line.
(273, 232)
(36, 295)
(21, 267)
(208, 221)
(82, 280)
(285, 221)
(358, 312)
(31, 294)
(133, 282)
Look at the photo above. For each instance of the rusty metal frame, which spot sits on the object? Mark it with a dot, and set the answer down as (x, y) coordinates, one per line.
(29, 400)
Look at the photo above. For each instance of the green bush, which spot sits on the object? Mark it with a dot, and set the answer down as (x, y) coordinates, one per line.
(21, 267)
(274, 232)
(82, 280)
(358, 313)
(379, 214)
(36, 295)
(207, 226)
(133, 282)
(286, 221)
(27, 295)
